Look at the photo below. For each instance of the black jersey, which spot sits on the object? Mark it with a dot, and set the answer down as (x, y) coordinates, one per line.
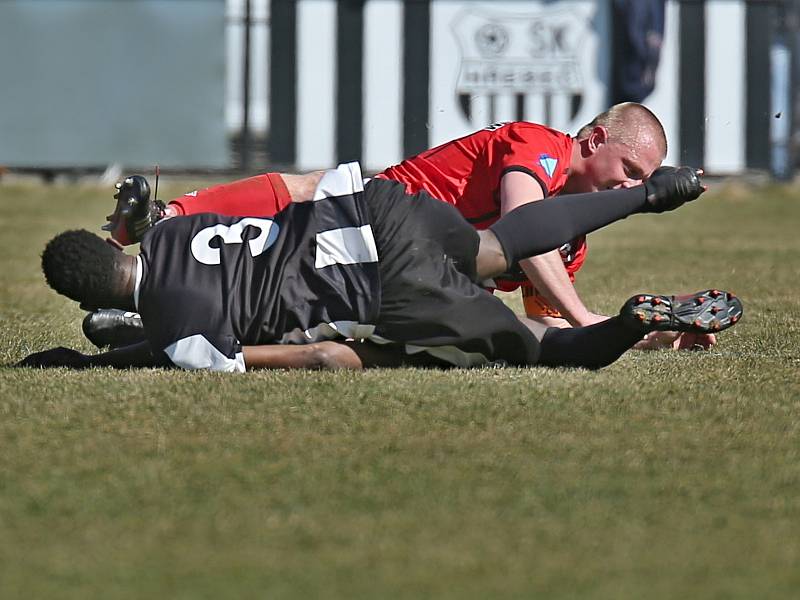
(211, 284)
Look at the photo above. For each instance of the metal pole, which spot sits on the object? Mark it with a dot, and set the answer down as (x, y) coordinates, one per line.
(245, 134)
(793, 27)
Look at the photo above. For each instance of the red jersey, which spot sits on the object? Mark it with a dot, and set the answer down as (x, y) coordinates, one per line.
(466, 173)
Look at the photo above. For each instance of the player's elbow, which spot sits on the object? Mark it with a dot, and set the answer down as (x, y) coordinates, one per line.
(332, 355)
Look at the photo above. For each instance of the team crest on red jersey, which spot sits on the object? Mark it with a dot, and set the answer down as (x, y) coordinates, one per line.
(548, 163)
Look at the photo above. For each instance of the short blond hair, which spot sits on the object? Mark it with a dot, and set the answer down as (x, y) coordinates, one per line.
(629, 123)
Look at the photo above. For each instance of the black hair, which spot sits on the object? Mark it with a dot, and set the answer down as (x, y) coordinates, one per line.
(81, 266)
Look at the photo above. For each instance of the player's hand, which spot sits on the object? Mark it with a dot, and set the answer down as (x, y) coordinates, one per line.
(661, 340)
(56, 357)
(658, 340)
(670, 187)
(695, 341)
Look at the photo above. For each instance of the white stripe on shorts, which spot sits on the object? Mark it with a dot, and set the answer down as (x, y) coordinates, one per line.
(346, 246)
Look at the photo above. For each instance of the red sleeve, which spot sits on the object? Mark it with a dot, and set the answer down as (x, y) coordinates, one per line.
(541, 152)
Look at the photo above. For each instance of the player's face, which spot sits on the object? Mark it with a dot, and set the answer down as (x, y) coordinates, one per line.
(611, 165)
(616, 165)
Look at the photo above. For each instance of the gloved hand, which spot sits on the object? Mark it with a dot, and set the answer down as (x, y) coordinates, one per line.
(670, 187)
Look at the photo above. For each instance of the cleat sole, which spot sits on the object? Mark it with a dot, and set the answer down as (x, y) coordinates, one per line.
(709, 311)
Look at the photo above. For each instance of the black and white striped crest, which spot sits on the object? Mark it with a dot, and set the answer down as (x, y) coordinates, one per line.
(519, 66)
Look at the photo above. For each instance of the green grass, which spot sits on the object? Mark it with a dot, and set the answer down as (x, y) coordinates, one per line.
(666, 475)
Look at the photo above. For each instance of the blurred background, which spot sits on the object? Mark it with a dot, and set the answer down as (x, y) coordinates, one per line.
(240, 86)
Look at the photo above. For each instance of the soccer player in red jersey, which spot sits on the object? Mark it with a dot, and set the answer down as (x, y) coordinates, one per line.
(486, 175)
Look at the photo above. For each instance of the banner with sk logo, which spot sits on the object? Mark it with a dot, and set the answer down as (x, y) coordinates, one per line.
(535, 61)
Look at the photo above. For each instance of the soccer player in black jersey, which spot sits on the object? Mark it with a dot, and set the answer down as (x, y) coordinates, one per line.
(396, 273)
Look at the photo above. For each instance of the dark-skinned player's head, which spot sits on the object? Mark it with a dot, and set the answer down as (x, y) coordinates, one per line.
(84, 268)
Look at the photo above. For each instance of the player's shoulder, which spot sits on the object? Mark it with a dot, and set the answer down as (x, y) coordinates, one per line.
(528, 132)
(167, 233)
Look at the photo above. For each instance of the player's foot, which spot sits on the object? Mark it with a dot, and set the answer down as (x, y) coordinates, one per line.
(703, 312)
(135, 212)
(110, 327)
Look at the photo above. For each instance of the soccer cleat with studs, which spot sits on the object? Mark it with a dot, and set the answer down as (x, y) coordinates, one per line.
(135, 212)
(709, 311)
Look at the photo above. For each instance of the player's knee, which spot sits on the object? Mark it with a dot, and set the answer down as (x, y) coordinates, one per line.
(491, 259)
(301, 187)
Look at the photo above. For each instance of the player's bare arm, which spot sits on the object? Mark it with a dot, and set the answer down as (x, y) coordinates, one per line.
(319, 356)
(301, 186)
(546, 271)
(332, 355)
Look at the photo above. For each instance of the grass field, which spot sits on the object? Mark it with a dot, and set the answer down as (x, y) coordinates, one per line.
(666, 475)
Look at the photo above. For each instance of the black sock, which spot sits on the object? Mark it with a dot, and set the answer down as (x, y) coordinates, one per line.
(539, 227)
(589, 347)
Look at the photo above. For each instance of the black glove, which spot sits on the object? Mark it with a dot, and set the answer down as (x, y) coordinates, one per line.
(670, 187)
(56, 357)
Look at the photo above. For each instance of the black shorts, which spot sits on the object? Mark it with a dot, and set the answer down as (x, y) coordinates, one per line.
(429, 299)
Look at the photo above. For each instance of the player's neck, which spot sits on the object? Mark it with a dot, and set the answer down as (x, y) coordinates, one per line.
(577, 167)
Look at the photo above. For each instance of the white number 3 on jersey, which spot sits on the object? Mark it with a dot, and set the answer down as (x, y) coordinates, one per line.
(232, 234)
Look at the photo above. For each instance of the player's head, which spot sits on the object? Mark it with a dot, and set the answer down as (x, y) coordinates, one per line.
(84, 268)
(619, 148)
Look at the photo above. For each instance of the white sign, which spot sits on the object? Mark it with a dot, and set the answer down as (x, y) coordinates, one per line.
(504, 61)
(534, 52)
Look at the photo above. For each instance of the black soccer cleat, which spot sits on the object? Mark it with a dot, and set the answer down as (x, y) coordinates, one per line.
(135, 212)
(113, 328)
(670, 187)
(703, 312)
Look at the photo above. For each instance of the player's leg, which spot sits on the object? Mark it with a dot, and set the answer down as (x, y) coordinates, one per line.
(538, 310)
(601, 344)
(590, 347)
(430, 304)
(259, 196)
(538, 227)
(262, 195)
(135, 211)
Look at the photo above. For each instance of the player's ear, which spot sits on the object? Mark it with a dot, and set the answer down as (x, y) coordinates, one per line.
(597, 137)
